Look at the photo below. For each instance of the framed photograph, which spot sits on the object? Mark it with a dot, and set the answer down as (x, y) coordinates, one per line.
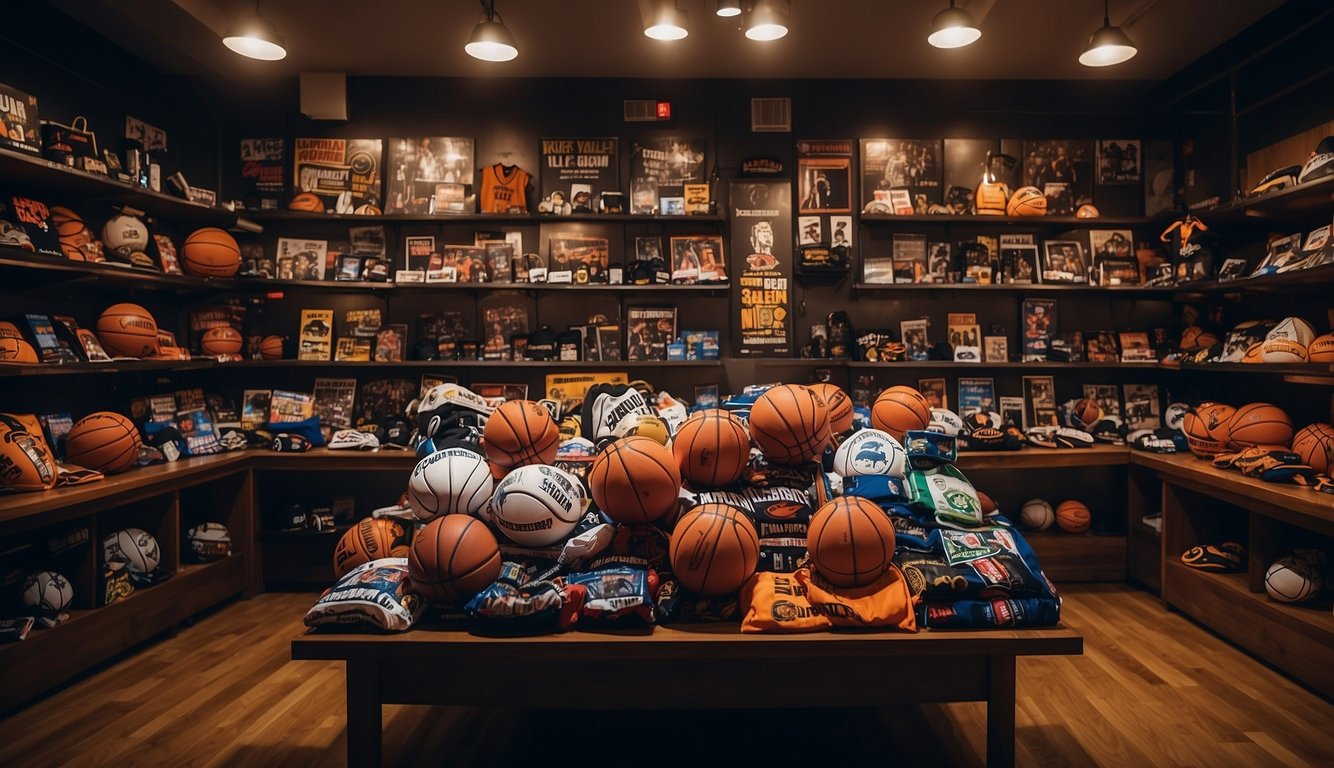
(913, 167)
(648, 248)
(976, 394)
(1063, 262)
(1106, 396)
(349, 268)
(939, 262)
(1101, 347)
(996, 349)
(840, 228)
(1040, 402)
(934, 391)
(915, 338)
(824, 184)
(809, 230)
(582, 257)
(965, 337)
(1135, 348)
(1119, 161)
(701, 253)
(1012, 410)
(1142, 406)
(1019, 264)
(673, 206)
(910, 264)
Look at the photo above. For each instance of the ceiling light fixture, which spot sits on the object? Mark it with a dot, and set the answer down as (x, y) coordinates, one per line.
(255, 37)
(768, 20)
(663, 20)
(953, 28)
(1108, 46)
(729, 8)
(491, 39)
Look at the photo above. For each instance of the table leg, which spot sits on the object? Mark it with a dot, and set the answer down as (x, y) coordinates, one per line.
(363, 714)
(1000, 713)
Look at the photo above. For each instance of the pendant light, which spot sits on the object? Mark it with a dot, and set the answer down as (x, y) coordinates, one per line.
(255, 37)
(491, 39)
(1108, 46)
(953, 28)
(663, 20)
(729, 8)
(768, 20)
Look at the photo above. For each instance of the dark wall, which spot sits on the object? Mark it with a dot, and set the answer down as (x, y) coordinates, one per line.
(73, 70)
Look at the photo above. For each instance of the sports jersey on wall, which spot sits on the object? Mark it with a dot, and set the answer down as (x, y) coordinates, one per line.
(504, 189)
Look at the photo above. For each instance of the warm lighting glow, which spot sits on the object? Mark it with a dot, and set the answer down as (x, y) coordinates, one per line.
(1108, 46)
(491, 39)
(953, 28)
(664, 21)
(255, 38)
(768, 20)
(729, 8)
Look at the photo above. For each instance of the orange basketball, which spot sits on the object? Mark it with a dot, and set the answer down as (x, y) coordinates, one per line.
(127, 330)
(899, 409)
(307, 201)
(714, 550)
(1259, 424)
(850, 541)
(635, 480)
(271, 348)
(211, 252)
(1206, 428)
(790, 424)
(105, 441)
(839, 405)
(452, 558)
(988, 505)
(1087, 411)
(520, 432)
(1073, 517)
(1315, 444)
(1190, 338)
(75, 236)
(223, 340)
(711, 448)
(1321, 349)
(1254, 353)
(9, 331)
(370, 539)
(14, 350)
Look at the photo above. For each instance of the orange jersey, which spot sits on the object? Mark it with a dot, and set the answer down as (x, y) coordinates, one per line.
(504, 189)
(797, 602)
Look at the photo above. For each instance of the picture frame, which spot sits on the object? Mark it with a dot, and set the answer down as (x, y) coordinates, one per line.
(1063, 262)
(996, 349)
(349, 269)
(824, 185)
(704, 254)
(673, 206)
(1119, 161)
(1040, 402)
(935, 392)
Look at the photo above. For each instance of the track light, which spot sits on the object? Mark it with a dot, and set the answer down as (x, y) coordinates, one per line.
(491, 39)
(768, 20)
(663, 20)
(256, 38)
(1108, 46)
(729, 8)
(953, 28)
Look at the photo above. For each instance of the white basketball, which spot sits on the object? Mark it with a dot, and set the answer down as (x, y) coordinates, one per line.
(1293, 328)
(1281, 349)
(1037, 515)
(870, 452)
(537, 505)
(47, 592)
(210, 541)
(125, 233)
(945, 420)
(135, 547)
(1292, 580)
(455, 481)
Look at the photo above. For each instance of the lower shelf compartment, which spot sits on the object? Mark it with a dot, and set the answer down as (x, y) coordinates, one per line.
(1074, 558)
(1291, 637)
(50, 656)
(1145, 562)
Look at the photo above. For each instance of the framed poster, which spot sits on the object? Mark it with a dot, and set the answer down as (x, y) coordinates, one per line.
(343, 173)
(580, 169)
(761, 267)
(430, 175)
(910, 166)
(824, 176)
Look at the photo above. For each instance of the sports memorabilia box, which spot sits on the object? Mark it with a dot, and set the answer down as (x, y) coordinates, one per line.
(20, 128)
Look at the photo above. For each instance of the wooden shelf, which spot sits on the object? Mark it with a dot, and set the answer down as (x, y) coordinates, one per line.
(1295, 203)
(43, 179)
(50, 656)
(1033, 222)
(1320, 374)
(908, 364)
(1315, 280)
(1291, 504)
(1164, 293)
(498, 365)
(19, 264)
(1045, 458)
(277, 217)
(1086, 557)
(325, 460)
(1292, 637)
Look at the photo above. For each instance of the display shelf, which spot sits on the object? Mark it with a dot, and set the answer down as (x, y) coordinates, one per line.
(1300, 201)
(1045, 365)
(50, 656)
(1162, 292)
(1302, 373)
(17, 264)
(323, 459)
(1145, 556)
(1086, 557)
(1035, 222)
(334, 532)
(1045, 458)
(1314, 280)
(41, 178)
(360, 286)
(1290, 637)
(498, 365)
(1291, 504)
(277, 217)
(112, 367)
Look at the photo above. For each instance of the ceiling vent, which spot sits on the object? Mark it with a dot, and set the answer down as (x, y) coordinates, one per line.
(641, 111)
(771, 115)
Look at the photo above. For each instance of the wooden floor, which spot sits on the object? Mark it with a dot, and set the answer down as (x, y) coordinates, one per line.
(1151, 689)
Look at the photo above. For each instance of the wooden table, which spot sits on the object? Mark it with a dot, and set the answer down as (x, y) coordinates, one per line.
(683, 666)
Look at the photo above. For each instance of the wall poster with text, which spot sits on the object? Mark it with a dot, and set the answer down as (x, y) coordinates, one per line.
(761, 215)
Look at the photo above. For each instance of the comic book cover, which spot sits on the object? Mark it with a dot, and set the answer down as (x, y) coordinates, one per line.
(20, 127)
(1039, 323)
(262, 167)
(334, 400)
(648, 332)
(430, 175)
(382, 399)
(343, 173)
(361, 322)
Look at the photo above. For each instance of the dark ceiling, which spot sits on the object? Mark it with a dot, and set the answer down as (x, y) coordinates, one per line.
(1022, 39)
